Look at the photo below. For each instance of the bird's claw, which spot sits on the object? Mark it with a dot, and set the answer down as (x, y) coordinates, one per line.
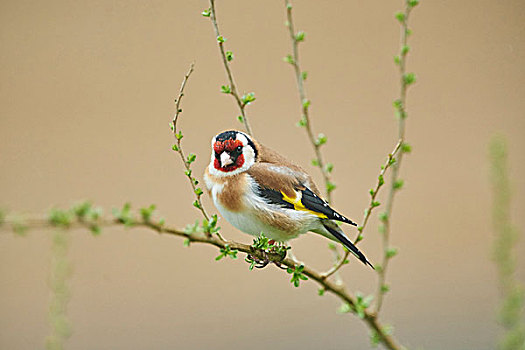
(261, 263)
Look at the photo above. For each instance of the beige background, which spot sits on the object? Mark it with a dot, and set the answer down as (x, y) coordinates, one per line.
(86, 94)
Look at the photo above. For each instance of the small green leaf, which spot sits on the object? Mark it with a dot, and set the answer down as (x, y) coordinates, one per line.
(406, 148)
(226, 89)
(302, 122)
(383, 216)
(306, 103)
(81, 210)
(320, 291)
(409, 78)
(375, 204)
(391, 161)
(299, 36)
(95, 230)
(189, 229)
(391, 252)
(400, 16)
(227, 251)
(221, 39)
(198, 191)
(186, 242)
(288, 59)
(240, 119)
(191, 158)
(380, 180)
(147, 212)
(315, 162)
(397, 104)
(175, 148)
(60, 218)
(344, 309)
(321, 139)
(196, 204)
(248, 98)
(329, 167)
(397, 60)
(297, 275)
(124, 215)
(304, 75)
(375, 339)
(187, 172)
(398, 184)
(229, 56)
(330, 186)
(413, 3)
(385, 288)
(206, 13)
(405, 49)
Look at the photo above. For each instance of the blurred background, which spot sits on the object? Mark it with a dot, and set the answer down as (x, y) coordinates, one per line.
(86, 95)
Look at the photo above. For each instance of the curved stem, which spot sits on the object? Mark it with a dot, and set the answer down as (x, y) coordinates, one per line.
(368, 211)
(402, 115)
(370, 318)
(234, 93)
(305, 103)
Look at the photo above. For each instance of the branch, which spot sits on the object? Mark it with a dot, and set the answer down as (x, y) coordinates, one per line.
(300, 77)
(77, 219)
(373, 204)
(506, 235)
(227, 57)
(187, 161)
(396, 184)
(178, 148)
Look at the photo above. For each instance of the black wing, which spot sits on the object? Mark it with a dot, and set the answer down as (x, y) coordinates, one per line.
(313, 202)
(305, 200)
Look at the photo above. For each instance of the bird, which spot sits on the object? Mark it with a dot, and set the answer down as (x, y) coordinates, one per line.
(257, 190)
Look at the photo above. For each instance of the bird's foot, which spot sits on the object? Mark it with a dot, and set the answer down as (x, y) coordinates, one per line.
(268, 256)
(257, 262)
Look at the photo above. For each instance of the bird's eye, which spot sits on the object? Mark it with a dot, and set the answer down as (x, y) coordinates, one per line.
(239, 149)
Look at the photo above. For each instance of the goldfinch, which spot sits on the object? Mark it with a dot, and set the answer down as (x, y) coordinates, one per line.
(259, 191)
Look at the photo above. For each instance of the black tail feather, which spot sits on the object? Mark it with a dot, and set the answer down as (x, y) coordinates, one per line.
(348, 244)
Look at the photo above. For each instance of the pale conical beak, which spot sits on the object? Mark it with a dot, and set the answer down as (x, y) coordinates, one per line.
(225, 159)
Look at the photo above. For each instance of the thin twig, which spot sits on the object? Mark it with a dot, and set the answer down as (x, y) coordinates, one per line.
(197, 237)
(373, 192)
(400, 105)
(511, 313)
(178, 138)
(178, 148)
(373, 204)
(305, 102)
(233, 89)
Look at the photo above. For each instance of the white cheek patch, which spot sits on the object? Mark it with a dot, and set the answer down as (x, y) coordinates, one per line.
(247, 152)
(242, 138)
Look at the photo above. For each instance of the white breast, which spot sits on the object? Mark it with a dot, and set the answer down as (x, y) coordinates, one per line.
(248, 221)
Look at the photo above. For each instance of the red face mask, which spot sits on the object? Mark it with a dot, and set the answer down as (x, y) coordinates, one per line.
(230, 146)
